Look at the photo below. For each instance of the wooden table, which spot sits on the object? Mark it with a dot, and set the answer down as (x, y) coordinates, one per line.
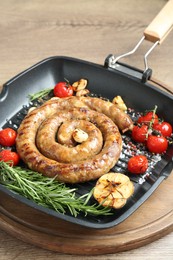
(90, 30)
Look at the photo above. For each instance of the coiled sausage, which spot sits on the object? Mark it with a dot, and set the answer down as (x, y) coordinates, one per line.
(38, 146)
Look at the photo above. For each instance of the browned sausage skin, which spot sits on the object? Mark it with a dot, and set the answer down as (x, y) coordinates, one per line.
(119, 117)
(37, 143)
(48, 145)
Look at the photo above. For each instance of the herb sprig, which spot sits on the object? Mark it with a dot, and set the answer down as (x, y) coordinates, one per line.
(47, 191)
(41, 94)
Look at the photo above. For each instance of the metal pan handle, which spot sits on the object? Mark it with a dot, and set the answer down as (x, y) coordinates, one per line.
(156, 32)
(161, 25)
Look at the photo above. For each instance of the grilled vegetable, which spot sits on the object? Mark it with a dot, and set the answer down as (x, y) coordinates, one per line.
(9, 156)
(79, 85)
(63, 89)
(139, 133)
(149, 117)
(164, 128)
(118, 101)
(7, 137)
(113, 190)
(79, 135)
(157, 144)
(138, 164)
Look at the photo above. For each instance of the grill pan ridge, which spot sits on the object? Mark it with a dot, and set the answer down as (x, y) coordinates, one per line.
(108, 83)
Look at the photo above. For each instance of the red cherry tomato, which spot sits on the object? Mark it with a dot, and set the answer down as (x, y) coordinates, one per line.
(139, 133)
(164, 128)
(9, 156)
(146, 119)
(137, 164)
(63, 89)
(157, 144)
(7, 137)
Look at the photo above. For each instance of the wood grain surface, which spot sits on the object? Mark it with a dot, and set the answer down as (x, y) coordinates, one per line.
(90, 30)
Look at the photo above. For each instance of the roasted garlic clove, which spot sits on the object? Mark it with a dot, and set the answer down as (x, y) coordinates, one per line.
(82, 92)
(119, 102)
(79, 85)
(79, 135)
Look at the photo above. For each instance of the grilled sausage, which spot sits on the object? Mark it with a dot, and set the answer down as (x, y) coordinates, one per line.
(120, 118)
(38, 147)
(48, 145)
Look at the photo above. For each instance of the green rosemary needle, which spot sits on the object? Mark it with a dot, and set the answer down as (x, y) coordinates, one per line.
(41, 94)
(47, 191)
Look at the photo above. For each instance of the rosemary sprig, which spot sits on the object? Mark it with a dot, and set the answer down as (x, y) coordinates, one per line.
(47, 191)
(45, 92)
(40, 94)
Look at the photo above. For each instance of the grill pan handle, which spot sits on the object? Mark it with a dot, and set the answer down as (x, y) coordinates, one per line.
(156, 32)
(162, 24)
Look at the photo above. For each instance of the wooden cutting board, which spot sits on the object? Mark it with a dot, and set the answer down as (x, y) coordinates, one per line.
(151, 221)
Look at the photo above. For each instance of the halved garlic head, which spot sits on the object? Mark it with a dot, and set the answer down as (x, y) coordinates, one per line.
(113, 190)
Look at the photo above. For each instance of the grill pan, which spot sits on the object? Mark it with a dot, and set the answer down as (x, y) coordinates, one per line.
(108, 80)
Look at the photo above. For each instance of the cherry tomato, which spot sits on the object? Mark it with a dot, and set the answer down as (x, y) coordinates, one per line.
(157, 144)
(7, 137)
(9, 156)
(63, 89)
(146, 119)
(137, 164)
(164, 128)
(139, 133)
